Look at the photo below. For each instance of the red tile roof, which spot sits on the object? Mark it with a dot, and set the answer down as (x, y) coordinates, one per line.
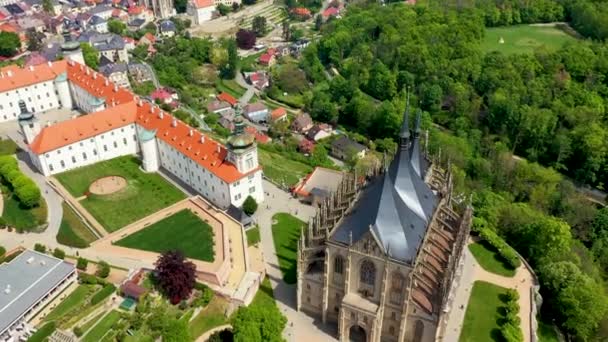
(266, 58)
(300, 11)
(331, 12)
(13, 77)
(259, 137)
(227, 98)
(136, 10)
(203, 3)
(278, 113)
(124, 108)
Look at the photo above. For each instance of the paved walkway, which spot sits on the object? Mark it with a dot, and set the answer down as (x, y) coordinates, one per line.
(523, 281)
(300, 327)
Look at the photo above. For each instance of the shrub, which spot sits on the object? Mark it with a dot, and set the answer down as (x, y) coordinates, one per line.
(103, 294)
(59, 253)
(44, 332)
(2, 251)
(103, 269)
(511, 333)
(78, 331)
(86, 278)
(28, 194)
(505, 251)
(40, 248)
(250, 205)
(82, 263)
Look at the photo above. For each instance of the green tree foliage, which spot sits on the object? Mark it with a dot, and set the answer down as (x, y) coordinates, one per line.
(229, 70)
(103, 269)
(9, 44)
(223, 9)
(59, 253)
(24, 188)
(250, 205)
(38, 247)
(176, 331)
(90, 54)
(259, 25)
(82, 263)
(116, 26)
(258, 323)
(47, 6)
(290, 79)
(180, 6)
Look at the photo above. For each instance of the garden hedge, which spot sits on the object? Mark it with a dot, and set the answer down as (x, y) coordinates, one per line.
(103, 294)
(23, 187)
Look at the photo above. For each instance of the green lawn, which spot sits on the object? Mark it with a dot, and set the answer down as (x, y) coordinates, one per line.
(483, 313)
(104, 326)
(285, 233)
(72, 231)
(183, 231)
(264, 297)
(253, 236)
(490, 260)
(145, 193)
(75, 299)
(524, 38)
(90, 323)
(7, 147)
(210, 317)
(23, 218)
(230, 87)
(282, 170)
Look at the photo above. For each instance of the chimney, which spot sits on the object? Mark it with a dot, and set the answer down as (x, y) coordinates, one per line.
(107, 83)
(174, 122)
(94, 75)
(191, 132)
(9, 73)
(49, 63)
(152, 108)
(31, 67)
(202, 138)
(140, 102)
(161, 114)
(48, 124)
(88, 71)
(218, 148)
(115, 88)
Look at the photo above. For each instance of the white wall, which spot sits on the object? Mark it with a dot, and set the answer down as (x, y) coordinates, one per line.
(40, 97)
(83, 100)
(249, 185)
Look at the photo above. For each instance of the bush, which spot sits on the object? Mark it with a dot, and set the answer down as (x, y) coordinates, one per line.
(78, 331)
(505, 251)
(103, 294)
(59, 253)
(82, 263)
(40, 248)
(2, 251)
(103, 269)
(250, 206)
(28, 194)
(86, 278)
(25, 189)
(43, 333)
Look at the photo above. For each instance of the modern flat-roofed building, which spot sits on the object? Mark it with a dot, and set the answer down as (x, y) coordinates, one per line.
(28, 283)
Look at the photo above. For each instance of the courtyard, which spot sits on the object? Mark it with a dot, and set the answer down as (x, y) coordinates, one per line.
(142, 195)
(183, 231)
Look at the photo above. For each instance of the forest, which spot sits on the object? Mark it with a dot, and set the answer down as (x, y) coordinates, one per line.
(512, 127)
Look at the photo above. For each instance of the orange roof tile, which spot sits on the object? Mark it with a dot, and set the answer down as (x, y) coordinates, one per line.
(14, 77)
(203, 3)
(227, 98)
(278, 113)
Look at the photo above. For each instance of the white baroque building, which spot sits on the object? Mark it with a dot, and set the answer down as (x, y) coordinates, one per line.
(119, 123)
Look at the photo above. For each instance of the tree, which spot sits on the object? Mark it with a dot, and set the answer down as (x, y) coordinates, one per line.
(82, 264)
(47, 6)
(258, 323)
(103, 269)
(90, 54)
(291, 79)
(259, 26)
(250, 205)
(235, 7)
(116, 26)
(38, 247)
(175, 276)
(318, 22)
(223, 9)
(286, 30)
(228, 71)
(28, 194)
(176, 330)
(9, 44)
(59, 253)
(34, 40)
(249, 2)
(245, 39)
(180, 6)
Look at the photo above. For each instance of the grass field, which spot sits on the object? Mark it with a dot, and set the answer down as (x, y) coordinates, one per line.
(483, 313)
(285, 233)
(490, 260)
(145, 193)
(183, 231)
(524, 38)
(7, 147)
(253, 236)
(104, 326)
(75, 299)
(90, 323)
(72, 231)
(210, 317)
(282, 170)
(23, 218)
(230, 87)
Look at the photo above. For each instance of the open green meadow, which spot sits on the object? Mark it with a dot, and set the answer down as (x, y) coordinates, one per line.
(183, 231)
(145, 193)
(73, 231)
(524, 38)
(282, 170)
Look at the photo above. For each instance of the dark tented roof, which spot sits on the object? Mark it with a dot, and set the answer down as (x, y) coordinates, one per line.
(397, 206)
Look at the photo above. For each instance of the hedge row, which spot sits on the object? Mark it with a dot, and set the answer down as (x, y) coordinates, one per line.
(103, 294)
(43, 333)
(509, 329)
(507, 252)
(24, 188)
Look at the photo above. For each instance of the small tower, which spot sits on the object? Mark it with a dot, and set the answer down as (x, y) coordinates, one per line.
(149, 150)
(71, 49)
(243, 152)
(28, 123)
(63, 90)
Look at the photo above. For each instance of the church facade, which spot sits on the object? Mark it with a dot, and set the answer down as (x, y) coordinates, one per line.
(379, 258)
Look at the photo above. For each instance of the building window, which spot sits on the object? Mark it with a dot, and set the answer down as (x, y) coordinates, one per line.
(51, 167)
(70, 148)
(367, 278)
(94, 152)
(391, 330)
(251, 176)
(338, 264)
(124, 140)
(46, 155)
(393, 316)
(115, 145)
(81, 143)
(397, 284)
(252, 189)
(105, 148)
(73, 159)
(84, 155)
(249, 163)
(58, 151)
(62, 164)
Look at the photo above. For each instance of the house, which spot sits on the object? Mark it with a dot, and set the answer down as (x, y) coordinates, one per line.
(268, 58)
(117, 73)
(102, 11)
(226, 123)
(239, 215)
(164, 95)
(139, 72)
(331, 12)
(297, 47)
(140, 12)
(110, 45)
(132, 290)
(256, 112)
(302, 123)
(301, 13)
(258, 79)
(200, 10)
(306, 146)
(148, 38)
(136, 24)
(259, 136)
(129, 43)
(227, 98)
(319, 131)
(316, 186)
(278, 114)
(98, 24)
(218, 107)
(167, 28)
(344, 148)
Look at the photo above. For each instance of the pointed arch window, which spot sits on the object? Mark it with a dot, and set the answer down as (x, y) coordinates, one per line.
(368, 273)
(338, 265)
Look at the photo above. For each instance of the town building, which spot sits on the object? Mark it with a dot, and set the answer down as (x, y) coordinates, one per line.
(162, 8)
(256, 112)
(167, 28)
(116, 73)
(302, 123)
(378, 260)
(120, 123)
(109, 45)
(201, 10)
(29, 283)
(279, 114)
(345, 148)
(318, 185)
(98, 24)
(319, 131)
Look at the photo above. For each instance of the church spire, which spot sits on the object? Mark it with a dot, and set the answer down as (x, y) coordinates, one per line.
(404, 135)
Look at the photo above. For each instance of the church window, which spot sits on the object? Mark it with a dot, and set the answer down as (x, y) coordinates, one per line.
(368, 273)
(393, 316)
(249, 163)
(338, 264)
(397, 284)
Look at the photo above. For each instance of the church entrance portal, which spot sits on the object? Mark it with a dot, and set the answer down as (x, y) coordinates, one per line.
(357, 334)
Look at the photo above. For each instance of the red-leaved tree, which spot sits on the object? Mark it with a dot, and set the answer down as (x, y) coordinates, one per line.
(245, 39)
(175, 275)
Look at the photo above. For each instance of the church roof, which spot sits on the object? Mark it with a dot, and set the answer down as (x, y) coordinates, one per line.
(396, 207)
